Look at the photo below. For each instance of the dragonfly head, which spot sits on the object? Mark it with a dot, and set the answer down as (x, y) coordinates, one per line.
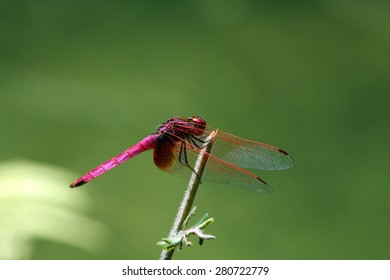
(198, 123)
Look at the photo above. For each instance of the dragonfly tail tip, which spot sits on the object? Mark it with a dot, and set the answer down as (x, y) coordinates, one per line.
(77, 183)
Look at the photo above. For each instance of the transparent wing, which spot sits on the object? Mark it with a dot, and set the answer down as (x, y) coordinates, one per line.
(178, 156)
(247, 153)
(250, 154)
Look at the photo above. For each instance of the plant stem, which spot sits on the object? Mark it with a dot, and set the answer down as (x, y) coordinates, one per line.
(189, 195)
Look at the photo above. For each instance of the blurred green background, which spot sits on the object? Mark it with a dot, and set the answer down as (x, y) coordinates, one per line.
(80, 81)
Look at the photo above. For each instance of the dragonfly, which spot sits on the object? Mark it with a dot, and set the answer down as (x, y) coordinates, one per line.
(178, 142)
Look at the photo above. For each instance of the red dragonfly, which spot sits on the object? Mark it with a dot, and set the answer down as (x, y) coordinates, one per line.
(178, 142)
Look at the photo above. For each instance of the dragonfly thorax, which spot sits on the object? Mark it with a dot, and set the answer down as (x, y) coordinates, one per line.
(182, 127)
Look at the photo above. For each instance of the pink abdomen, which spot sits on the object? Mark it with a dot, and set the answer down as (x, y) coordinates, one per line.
(145, 144)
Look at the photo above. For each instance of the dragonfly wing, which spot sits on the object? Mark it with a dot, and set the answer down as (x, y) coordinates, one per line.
(172, 158)
(168, 158)
(250, 154)
(242, 152)
(220, 171)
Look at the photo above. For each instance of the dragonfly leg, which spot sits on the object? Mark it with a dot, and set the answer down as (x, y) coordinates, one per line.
(183, 153)
(194, 140)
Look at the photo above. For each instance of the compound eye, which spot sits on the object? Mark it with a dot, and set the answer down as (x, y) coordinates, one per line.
(197, 121)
